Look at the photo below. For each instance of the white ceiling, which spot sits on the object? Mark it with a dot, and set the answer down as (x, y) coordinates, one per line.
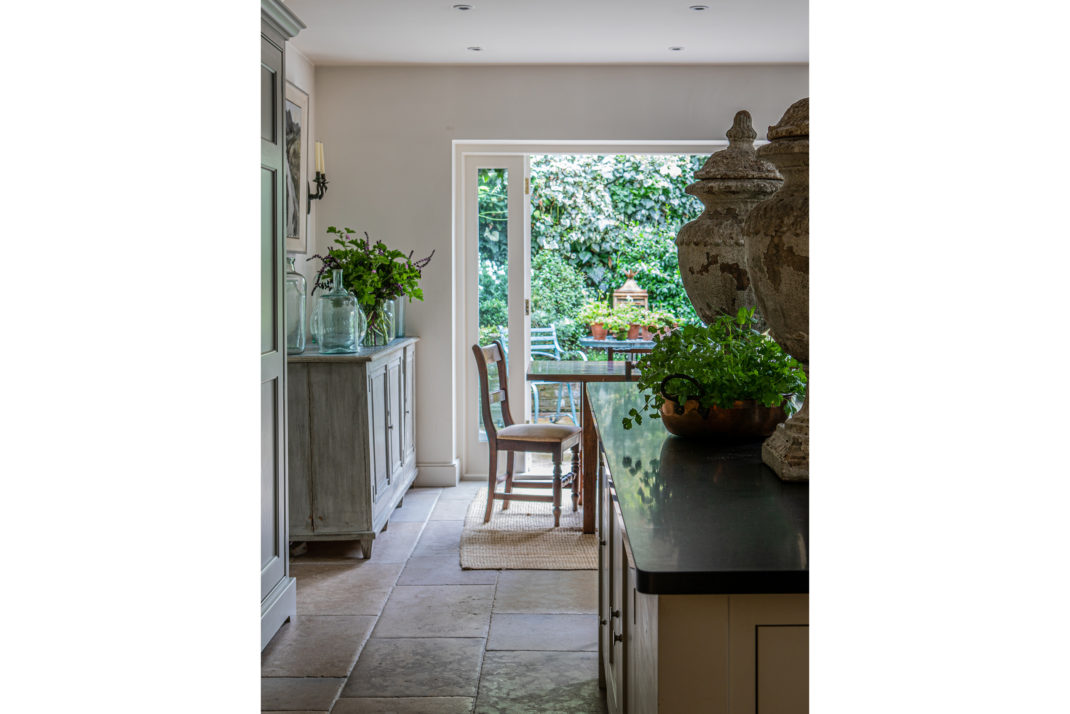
(552, 31)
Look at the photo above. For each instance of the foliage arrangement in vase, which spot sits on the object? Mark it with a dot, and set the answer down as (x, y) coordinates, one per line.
(725, 378)
(375, 275)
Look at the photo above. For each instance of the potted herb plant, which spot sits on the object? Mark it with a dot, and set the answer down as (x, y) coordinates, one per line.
(375, 275)
(725, 378)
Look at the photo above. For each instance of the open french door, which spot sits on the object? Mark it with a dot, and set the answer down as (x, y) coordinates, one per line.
(497, 233)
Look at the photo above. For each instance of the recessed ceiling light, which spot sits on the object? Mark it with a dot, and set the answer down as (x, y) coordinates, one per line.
(696, 8)
(475, 49)
(462, 7)
(676, 49)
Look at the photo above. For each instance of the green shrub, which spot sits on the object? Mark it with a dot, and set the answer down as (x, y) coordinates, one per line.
(557, 293)
(651, 255)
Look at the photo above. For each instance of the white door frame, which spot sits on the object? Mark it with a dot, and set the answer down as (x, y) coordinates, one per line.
(472, 466)
(518, 229)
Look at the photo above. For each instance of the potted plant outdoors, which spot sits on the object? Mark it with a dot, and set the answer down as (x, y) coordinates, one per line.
(722, 379)
(626, 320)
(595, 314)
(658, 322)
(375, 275)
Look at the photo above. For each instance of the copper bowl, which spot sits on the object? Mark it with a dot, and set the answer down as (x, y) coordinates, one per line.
(745, 419)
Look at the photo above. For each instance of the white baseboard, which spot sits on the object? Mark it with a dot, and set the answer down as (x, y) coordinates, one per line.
(438, 475)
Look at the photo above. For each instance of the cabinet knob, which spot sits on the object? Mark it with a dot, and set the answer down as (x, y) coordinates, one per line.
(618, 637)
(615, 613)
(603, 622)
(602, 543)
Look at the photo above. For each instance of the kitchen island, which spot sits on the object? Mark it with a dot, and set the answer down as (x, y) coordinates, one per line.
(704, 571)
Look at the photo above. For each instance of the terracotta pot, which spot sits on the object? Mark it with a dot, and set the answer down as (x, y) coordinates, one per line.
(598, 330)
(633, 332)
(710, 248)
(777, 234)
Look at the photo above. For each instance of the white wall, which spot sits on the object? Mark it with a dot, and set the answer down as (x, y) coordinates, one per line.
(388, 131)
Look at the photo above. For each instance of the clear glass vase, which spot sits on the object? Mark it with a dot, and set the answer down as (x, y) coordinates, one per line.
(381, 327)
(338, 323)
(296, 299)
(399, 316)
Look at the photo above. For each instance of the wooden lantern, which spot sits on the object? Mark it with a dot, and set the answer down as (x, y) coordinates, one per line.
(630, 292)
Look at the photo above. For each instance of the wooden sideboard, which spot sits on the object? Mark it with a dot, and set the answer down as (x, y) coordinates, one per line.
(352, 452)
(704, 572)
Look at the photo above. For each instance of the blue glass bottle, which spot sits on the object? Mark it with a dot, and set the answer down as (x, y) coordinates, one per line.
(337, 321)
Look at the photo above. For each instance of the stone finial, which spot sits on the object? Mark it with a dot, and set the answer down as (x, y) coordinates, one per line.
(742, 130)
(794, 123)
(738, 161)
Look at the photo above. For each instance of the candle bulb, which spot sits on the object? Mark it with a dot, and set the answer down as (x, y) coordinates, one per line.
(319, 158)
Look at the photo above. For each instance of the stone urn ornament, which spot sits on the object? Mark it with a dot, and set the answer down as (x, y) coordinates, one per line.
(777, 235)
(710, 248)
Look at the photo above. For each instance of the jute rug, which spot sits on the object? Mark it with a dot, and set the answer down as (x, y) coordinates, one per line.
(524, 537)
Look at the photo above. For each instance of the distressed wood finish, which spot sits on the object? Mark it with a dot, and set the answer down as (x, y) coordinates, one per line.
(299, 446)
(354, 460)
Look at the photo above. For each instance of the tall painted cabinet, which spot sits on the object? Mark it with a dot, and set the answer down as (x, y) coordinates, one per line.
(278, 591)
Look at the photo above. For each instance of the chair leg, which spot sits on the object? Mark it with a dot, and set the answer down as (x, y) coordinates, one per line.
(508, 478)
(557, 414)
(575, 477)
(492, 482)
(557, 488)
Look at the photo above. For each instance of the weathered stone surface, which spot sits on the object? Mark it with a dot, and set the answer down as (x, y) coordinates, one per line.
(777, 235)
(710, 248)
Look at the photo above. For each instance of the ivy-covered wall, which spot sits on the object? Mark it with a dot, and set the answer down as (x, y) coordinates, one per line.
(593, 219)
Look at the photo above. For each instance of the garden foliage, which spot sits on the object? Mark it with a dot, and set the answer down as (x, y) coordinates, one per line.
(593, 218)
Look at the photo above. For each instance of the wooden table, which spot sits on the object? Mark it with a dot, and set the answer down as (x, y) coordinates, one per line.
(583, 372)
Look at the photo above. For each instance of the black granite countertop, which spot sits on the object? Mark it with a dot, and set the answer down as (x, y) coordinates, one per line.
(699, 517)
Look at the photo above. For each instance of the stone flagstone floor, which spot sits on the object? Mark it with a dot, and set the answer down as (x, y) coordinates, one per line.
(409, 631)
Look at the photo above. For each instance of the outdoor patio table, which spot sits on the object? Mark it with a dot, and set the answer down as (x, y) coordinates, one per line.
(620, 345)
(583, 372)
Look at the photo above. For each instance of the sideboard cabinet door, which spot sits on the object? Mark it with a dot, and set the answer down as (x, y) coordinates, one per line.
(394, 377)
(377, 411)
(407, 436)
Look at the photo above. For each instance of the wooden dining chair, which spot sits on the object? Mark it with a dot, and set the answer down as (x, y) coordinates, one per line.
(511, 438)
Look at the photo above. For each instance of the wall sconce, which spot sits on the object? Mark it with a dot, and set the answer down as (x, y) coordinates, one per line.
(321, 177)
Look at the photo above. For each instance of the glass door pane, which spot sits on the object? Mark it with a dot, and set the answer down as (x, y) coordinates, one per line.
(493, 291)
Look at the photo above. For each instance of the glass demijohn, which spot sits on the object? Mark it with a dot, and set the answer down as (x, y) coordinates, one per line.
(338, 323)
(296, 292)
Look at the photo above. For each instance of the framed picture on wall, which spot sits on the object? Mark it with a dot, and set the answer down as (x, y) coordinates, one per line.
(295, 125)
